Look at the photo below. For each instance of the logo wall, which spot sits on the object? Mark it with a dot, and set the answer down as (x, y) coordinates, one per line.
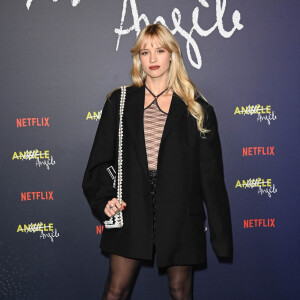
(264, 186)
(41, 158)
(136, 19)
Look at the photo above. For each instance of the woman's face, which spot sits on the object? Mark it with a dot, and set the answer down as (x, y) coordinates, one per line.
(154, 58)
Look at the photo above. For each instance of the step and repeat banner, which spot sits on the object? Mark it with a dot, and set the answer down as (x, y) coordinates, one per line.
(59, 58)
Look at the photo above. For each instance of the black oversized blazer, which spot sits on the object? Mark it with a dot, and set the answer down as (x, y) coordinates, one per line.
(189, 173)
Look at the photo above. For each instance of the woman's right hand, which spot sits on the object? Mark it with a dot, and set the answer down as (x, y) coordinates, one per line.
(117, 207)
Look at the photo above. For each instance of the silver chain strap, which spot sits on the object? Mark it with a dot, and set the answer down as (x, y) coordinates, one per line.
(117, 220)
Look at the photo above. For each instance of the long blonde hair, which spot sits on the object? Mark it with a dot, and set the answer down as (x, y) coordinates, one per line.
(178, 79)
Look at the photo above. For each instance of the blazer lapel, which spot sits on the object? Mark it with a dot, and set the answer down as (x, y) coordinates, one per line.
(134, 118)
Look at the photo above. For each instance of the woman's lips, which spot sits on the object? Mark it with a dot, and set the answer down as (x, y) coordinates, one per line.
(154, 67)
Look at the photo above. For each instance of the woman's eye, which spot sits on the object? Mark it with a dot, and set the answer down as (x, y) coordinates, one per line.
(144, 53)
(161, 51)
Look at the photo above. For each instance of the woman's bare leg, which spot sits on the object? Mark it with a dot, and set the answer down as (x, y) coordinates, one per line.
(121, 277)
(180, 282)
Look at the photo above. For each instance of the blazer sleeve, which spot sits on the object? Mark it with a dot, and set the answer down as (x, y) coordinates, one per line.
(214, 189)
(97, 184)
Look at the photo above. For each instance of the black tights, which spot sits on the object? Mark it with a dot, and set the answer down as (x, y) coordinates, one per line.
(124, 271)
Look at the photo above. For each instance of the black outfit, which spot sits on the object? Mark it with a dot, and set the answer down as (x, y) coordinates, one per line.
(189, 175)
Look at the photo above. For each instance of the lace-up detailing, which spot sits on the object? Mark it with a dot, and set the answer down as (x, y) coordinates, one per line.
(154, 122)
(153, 180)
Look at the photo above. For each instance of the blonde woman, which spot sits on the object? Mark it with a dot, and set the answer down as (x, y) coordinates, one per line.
(172, 166)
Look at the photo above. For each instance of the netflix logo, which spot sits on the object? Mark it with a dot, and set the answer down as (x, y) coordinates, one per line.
(254, 223)
(28, 196)
(31, 122)
(254, 151)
